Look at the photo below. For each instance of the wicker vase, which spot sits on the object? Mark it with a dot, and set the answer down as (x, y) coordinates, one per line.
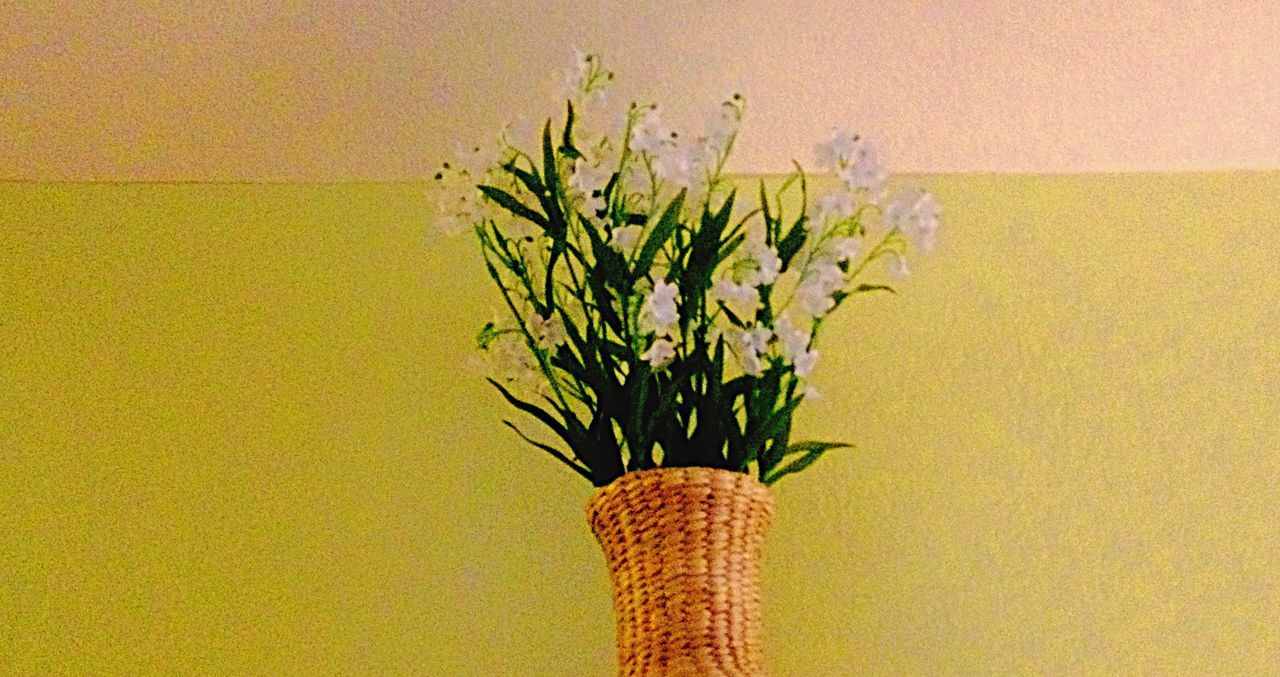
(683, 550)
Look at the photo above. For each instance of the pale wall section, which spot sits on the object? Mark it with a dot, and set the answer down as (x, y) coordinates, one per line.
(336, 91)
(237, 438)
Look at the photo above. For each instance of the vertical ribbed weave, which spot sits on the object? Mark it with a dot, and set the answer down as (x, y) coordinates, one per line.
(683, 550)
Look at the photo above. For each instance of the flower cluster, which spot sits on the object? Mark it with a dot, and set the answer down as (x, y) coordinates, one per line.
(650, 321)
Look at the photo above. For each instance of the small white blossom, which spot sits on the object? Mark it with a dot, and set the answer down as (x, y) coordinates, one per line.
(916, 213)
(846, 248)
(832, 207)
(855, 159)
(651, 132)
(625, 239)
(548, 332)
(898, 266)
(767, 265)
(865, 169)
(577, 74)
(659, 314)
(584, 80)
(458, 205)
(794, 344)
(510, 362)
(722, 126)
(677, 163)
(792, 340)
(660, 353)
(805, 362)
(743, 300)
(747, 345)
(837, 150)
(588, 183)
(820, 281)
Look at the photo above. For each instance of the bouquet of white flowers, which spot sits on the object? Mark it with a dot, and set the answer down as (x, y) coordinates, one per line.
(649, 323)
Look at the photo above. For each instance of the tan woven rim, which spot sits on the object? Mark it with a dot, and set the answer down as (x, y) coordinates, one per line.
(683, 550)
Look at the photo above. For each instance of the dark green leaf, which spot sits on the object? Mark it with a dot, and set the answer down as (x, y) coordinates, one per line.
(811, 452)
(768, 218)
(537, 412)
(661, 232)
(529, 179)
(511, 204)
(566, 144)
(793, 241)
(551, 450)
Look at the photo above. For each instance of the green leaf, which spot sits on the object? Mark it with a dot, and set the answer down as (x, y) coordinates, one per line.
(566, 144)
(533, 410)
(559, 455)
(708, 440)
(730, 245)
(704, 248)
(529, 179)
(768, 218)
(608, 456)
(794, 240)
(873, 287)
(638, 441)
(661, 233)
(811, 451)
(511, 204)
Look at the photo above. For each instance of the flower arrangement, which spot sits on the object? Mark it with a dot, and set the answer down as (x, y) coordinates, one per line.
(648, 322)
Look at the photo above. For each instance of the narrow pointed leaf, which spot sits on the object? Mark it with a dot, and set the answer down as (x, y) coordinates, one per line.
(511, 204)
(811, 451)
(661, 233)
(559, 455)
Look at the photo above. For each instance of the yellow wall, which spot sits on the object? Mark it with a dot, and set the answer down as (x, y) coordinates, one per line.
(236, 438)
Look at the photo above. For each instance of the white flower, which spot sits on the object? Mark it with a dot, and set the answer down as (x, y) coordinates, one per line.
(659, 314)
(577, 74)
(458, 205)
(916, 213)
(767, 264)
(812, 393)
(898, 266)
(794, 345)
(625, 239)
(791, 339)
(748, 344)
(855, 159)
(819, 282)
(833, 206)
(587, 178)
(837, 150)
(650, 133)
(742, 300)
(584, 80)
(676, 163)
(660, 353)
(846, 248)
(864, 169)
(511, 363)
(722, 126)
(804, 363)
(548, 332)
(588, 182)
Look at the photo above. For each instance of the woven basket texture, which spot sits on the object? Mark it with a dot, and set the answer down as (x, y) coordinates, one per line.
(683, 550)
